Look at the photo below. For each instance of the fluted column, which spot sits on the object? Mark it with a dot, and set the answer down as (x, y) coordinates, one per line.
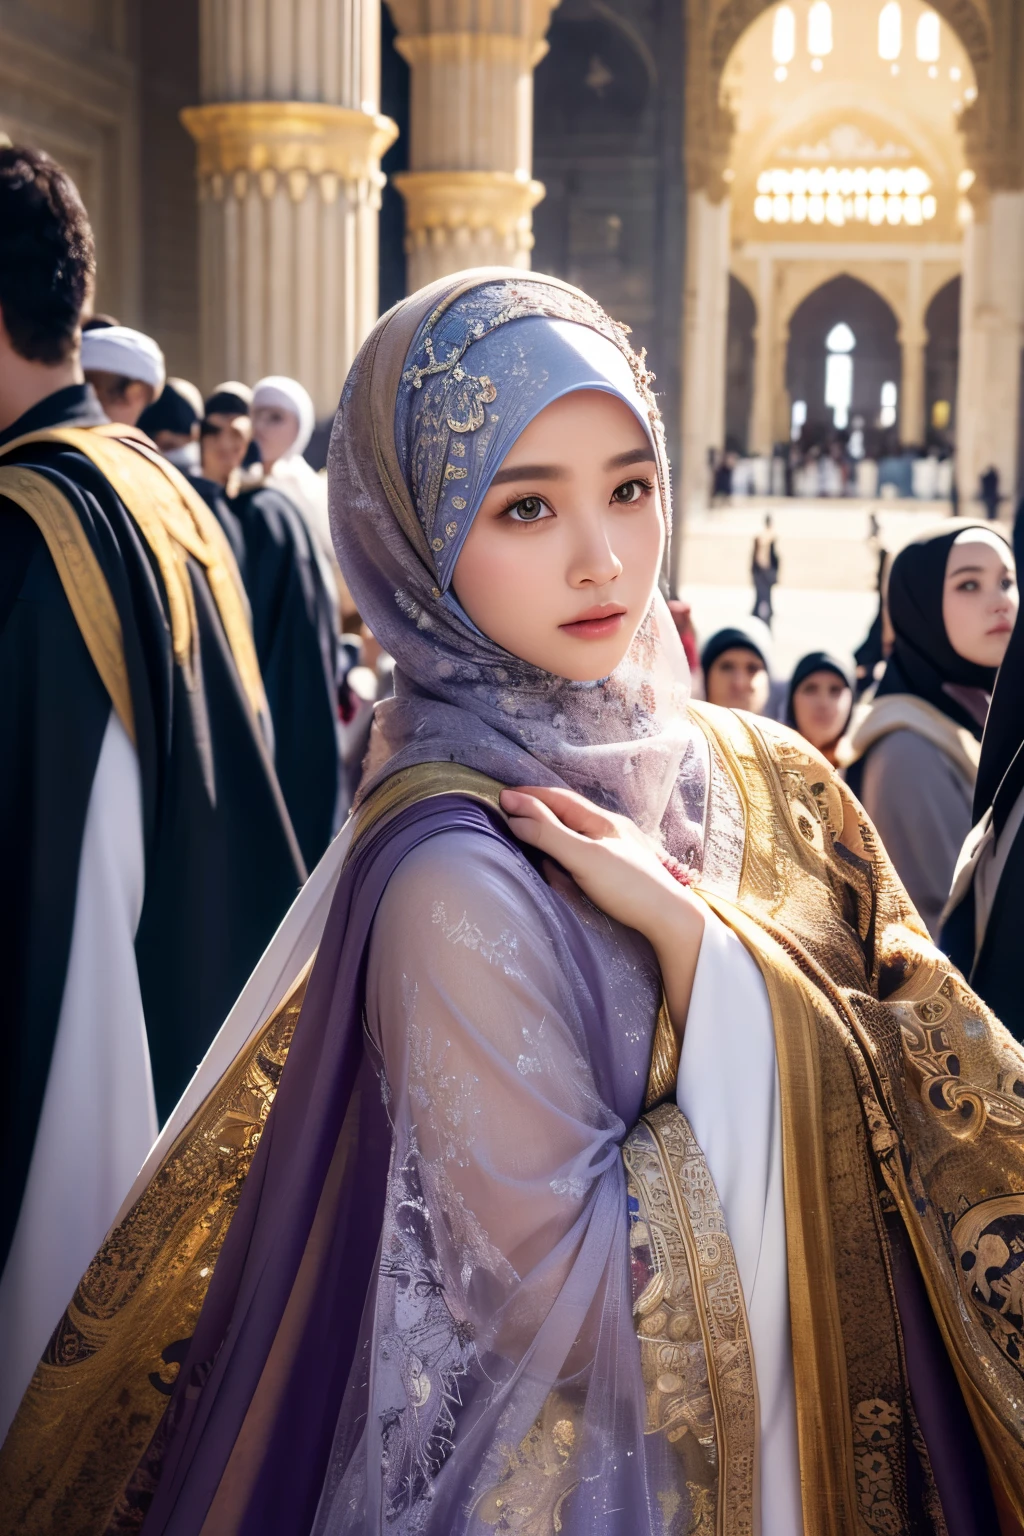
(705, 340)
(469, 195)
(913, 339)
(289, 141)
(761, 437)
(991, 337)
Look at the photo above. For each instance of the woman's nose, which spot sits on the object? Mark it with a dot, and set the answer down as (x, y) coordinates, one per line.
(594, 561)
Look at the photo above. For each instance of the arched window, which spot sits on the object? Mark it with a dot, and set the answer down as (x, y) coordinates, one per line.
(928, 37)
(890, 31)
(819, 29)
(887, 415)
(784, 35)
(839, 343)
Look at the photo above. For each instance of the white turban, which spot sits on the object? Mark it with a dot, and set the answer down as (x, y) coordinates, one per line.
(131, 355)
(288, 395)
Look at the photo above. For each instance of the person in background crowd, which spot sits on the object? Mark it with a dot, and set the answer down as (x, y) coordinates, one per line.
(914, 755)
(283, 419)
(736, 663)
(764, 571)
(984, 919)
(988, 492)
(125, 368)
(172, 422)
(682, 618)
(225, 434)
(148, 856)
(820, 702)
(293, 617)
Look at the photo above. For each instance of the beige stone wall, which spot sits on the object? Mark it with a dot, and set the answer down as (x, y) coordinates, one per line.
(69, 84)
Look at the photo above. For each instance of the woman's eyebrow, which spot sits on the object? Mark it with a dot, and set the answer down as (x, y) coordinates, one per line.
(962, 570)
(631, 456)
(530, 472)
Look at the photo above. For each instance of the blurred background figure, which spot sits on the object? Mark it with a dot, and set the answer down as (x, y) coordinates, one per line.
(984, 921)
(125, 368)
(736, 663)
(914, 754)
(764, 568)
(682, 617)
(820, 701)
(225, 434)
(172, 421)
(283, 420)
(988, 492)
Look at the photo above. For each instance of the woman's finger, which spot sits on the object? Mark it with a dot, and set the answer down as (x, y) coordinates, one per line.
(573, 810)
(536, 824)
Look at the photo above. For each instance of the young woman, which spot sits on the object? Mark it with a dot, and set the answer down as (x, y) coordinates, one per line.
(914, 755)
(736, 662)
(820, 701)
(451, 1233)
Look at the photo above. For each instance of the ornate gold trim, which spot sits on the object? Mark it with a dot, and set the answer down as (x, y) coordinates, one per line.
(174, 521)
(81, 576)
(440, 203)
(296, 141)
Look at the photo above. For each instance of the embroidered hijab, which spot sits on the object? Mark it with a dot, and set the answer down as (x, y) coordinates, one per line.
(441, 389)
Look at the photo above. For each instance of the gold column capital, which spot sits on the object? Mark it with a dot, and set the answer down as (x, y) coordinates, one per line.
(293, 141)
(523, 22)
(441, 204)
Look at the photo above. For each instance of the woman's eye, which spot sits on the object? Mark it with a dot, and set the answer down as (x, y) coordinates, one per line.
(630, 490)
(530, 510)
(968, 586)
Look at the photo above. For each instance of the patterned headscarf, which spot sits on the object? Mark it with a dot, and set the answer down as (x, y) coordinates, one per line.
(441, 389)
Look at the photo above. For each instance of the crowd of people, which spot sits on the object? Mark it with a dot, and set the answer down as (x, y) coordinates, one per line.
(595, 1131)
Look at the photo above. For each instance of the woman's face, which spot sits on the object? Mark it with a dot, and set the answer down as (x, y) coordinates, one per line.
(561, 563)
(821, 708)
(223, 445)
(738, 679)
(979, 597)
(275, 430)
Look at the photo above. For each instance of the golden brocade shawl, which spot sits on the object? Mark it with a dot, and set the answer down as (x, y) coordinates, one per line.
(902, 1102)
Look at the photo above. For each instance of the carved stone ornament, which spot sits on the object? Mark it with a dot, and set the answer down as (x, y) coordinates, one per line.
(442, 203)
(293, 141)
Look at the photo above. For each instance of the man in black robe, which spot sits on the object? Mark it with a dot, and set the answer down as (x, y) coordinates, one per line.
(148, 853)
(292, 618)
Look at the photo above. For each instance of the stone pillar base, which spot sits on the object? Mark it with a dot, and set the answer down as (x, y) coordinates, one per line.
(289, 193)
(457, 219)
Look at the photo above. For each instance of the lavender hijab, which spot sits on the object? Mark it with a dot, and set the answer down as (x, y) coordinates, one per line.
(440, 391)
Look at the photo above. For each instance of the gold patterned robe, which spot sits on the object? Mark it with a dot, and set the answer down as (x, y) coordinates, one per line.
(902, 1102)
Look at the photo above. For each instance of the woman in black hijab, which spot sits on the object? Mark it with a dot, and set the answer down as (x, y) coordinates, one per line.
(985, 919)
(820, 701)
(914, 754)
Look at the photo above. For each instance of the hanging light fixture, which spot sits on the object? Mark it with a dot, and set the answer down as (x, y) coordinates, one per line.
(890, 31)
(784, 35)
(819, 29)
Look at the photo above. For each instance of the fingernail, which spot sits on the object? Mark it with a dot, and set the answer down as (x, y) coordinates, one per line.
(509, 798)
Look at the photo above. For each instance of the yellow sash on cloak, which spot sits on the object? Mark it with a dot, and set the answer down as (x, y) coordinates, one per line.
(175, 523)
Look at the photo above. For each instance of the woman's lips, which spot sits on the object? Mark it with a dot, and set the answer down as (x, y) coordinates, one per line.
(1001, 629)
(596, 623)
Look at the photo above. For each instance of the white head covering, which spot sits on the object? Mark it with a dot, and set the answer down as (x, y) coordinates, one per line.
(288, 395)
(130, 354)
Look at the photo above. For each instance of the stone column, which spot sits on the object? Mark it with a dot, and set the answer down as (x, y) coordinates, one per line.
(469, 194)
(991, 337)
(913, 339)
(289, 140)
(705, 337)
(761, 436)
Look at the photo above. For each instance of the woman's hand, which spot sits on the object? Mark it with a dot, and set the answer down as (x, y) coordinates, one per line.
(620, 870)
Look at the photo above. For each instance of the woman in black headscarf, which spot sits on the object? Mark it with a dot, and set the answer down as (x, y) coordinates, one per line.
(985, 918)
(914, 754)
(820, 701)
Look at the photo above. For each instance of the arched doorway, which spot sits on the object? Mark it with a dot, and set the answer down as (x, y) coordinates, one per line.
(875, 355)
(941, 365)
(739, 366)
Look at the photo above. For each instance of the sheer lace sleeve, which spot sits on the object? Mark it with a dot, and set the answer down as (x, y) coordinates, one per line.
(472, 1004)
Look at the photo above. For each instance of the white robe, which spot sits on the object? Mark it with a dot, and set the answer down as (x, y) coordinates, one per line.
(98, 1117)
(728, 1089)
